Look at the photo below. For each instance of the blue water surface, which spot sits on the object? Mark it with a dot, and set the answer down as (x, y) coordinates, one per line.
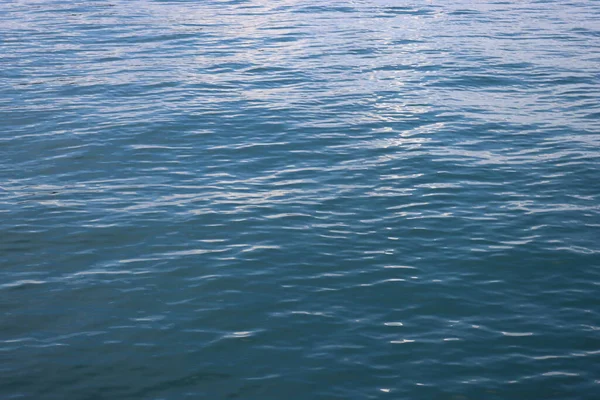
(345, 199)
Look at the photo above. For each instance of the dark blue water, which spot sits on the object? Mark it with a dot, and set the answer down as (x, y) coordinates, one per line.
(358, 199)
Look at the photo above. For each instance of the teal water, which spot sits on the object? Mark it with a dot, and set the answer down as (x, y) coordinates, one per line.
(358, 199)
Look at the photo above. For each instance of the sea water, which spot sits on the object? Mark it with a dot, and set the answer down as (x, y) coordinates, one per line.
(346, 199)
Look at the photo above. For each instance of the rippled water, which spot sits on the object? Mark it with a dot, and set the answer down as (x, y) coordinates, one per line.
(367, 199)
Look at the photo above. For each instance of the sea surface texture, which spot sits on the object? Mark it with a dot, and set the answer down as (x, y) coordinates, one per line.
(300, 199)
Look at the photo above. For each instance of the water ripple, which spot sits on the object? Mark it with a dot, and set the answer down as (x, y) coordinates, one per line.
(358, 199)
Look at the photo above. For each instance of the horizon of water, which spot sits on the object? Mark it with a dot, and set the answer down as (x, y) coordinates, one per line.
(360, 199)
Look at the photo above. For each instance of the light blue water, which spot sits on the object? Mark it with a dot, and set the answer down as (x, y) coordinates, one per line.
(368, 199)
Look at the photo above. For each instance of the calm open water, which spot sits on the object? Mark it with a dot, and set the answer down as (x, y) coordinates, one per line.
(358, 199)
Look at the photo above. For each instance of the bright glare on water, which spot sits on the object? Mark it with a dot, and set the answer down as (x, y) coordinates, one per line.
(300, 199)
